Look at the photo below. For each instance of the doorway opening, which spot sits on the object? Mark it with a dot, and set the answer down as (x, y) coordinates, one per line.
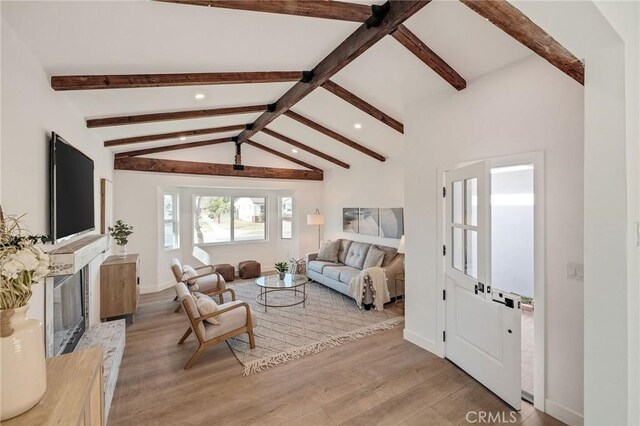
(512, 247)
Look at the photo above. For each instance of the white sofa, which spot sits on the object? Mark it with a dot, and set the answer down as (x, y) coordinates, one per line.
(351, 257)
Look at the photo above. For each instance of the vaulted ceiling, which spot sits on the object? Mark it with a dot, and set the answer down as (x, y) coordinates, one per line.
(145, 37)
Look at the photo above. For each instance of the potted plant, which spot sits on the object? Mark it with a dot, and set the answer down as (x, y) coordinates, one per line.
(120, 232)
(22, 355)
(282, 268)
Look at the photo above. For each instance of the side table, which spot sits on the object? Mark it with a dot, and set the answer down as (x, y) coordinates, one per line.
(399, 278)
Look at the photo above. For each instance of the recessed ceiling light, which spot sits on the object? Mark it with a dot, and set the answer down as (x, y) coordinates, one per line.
(295, 151)
(199, 96)
(357, 126)
(183, 138)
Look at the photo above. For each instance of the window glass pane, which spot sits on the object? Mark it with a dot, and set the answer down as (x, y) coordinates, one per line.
(169, 235)
(249, 218)
(286, 213)
(168, 207)
(457, 249)
(471, 201)
(456, 196)
(212, 219)
(471, 254)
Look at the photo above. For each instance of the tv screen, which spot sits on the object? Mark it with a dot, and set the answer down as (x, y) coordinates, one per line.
(72, 203)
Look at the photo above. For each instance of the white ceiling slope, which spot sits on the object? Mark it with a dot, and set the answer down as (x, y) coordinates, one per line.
(127, 37)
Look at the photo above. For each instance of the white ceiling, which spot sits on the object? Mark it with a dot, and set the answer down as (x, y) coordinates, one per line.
(126, 37)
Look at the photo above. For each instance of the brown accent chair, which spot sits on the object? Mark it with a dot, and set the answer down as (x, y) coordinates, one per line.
(207, 282)
(235, 318)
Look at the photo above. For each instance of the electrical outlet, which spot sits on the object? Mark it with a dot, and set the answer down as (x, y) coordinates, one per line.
(575, 271)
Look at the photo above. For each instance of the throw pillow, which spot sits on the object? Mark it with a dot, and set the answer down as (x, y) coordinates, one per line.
(329, 251)
(374, 258)
(206, 306)
(187, 275)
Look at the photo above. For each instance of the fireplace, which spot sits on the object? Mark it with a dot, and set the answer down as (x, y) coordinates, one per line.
(69, 311)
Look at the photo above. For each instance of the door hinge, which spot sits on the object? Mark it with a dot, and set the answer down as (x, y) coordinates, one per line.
(444, 250)
(444, 336)
(444, 294)
(444, 191)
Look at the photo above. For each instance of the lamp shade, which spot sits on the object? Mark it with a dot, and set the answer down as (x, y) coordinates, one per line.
(401, 246)
(315, 219)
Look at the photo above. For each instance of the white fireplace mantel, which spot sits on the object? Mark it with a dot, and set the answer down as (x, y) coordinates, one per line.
(72, 257)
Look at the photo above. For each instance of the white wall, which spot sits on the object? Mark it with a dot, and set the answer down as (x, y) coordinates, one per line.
(527, 106)
(368, 183)
(137, 202)
(31, 110)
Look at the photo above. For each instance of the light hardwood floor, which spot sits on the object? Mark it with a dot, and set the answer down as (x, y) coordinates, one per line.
(380, 379)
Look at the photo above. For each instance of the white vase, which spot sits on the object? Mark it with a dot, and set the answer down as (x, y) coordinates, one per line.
(22, 362)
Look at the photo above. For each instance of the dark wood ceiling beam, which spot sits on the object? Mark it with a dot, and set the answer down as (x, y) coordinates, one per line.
(281, 155)
(173, 135)
(429, 57)
(362, 105)
(175, 115)
(212, 169)
(173, 147)
(328, 132)
(133, 81)
(336, 10)
(515, 23)
(304, 147)
(384, 21)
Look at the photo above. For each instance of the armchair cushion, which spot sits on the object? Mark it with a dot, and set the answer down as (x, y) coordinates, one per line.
(231, 320)
(207, 305)
(176, 268)
(209, 283)
(184, 295)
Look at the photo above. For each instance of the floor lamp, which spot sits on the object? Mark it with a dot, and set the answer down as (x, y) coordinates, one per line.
(316, 219)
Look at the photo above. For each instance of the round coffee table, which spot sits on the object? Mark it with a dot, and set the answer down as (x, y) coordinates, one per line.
(291, 282)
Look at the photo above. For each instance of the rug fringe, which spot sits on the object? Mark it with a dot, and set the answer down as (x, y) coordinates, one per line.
(266, 363)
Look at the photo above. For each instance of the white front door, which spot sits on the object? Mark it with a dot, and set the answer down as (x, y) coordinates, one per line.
(482, 323)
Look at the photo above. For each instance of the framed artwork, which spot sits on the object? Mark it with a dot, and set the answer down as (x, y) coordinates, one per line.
(350, 219)
(392, 223)
(368, 223)
(106, 205)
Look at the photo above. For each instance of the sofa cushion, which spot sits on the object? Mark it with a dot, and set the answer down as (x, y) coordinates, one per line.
(374, 258)
(333, 272)
(347, 273)
(356, 255)
(206, 306)
(318, 265)
(344, 249)
(389, 254)
(329, 251)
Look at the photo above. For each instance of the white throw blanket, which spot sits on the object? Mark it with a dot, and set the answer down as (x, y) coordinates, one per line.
(379, 287)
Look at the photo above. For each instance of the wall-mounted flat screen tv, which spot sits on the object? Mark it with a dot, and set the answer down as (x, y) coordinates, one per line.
(71, 190)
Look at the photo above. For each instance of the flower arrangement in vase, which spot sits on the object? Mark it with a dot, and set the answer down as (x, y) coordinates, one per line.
(282, 268)
(22, 264)
(120, 232)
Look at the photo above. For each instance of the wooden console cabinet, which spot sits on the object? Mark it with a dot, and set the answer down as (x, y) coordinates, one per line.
(74, 392)
(119, 286)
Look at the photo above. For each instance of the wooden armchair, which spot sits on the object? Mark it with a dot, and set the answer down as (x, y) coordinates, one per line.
(235, 317)
(207, 282)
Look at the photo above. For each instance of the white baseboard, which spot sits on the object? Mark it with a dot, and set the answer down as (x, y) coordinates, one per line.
(563, 414)
(160, 287)
(418, 340)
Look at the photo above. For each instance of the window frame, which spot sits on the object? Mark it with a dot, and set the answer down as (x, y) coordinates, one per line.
(232, 200)
(175, 221)
(281, 217)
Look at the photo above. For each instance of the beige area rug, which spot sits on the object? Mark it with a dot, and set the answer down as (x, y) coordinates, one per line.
(285, 334)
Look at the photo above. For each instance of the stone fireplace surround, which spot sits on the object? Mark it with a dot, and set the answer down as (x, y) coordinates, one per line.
(69, 259)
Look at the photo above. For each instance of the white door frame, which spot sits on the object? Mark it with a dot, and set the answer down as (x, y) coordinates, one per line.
(539, 262)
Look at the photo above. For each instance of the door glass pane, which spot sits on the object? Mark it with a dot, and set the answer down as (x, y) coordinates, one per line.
(471, 254)
(471, 201)
(457, 252)
(457, 200)
(249, 219)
